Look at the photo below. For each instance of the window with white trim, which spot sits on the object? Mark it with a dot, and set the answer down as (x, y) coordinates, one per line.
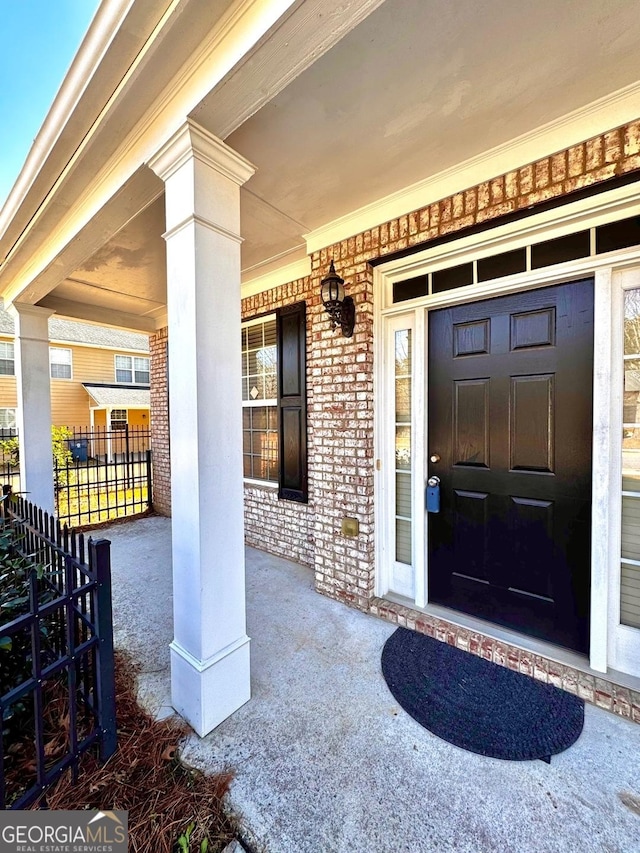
(118, 419)
(259, 399)
(7, 359)
(133, 370)
(60, 362)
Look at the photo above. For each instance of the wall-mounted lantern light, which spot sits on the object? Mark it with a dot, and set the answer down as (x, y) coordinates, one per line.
(339, 307)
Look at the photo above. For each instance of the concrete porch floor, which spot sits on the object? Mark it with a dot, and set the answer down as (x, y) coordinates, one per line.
(327, 762)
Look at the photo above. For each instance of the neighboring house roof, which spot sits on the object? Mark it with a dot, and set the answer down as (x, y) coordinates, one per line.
(72, 331)
(119, 396)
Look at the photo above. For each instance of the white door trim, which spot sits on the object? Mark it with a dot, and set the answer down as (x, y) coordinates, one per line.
(610, 644)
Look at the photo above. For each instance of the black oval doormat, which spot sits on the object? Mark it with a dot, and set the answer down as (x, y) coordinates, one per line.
(476, 704)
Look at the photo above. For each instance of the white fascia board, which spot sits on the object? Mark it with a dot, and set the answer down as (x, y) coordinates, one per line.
(99, 36)
(275, 278)
(244, 24)
(595, 118)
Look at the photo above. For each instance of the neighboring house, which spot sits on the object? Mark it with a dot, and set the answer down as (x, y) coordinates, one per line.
(483, 209)
(99, 376)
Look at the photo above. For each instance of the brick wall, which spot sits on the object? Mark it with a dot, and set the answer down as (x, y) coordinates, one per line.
(341, 405)
(160, 423)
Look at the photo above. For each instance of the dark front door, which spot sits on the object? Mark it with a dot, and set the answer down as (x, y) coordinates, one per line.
(510, 416)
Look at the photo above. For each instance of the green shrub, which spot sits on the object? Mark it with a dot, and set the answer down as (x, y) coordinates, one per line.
(62, 456)
(16, 661)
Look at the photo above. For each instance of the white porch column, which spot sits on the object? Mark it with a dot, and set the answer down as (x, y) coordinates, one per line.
(34, 403)
(210, 650)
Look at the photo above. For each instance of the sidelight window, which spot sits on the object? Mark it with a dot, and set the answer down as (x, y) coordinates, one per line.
(402, 383)
(630, 569)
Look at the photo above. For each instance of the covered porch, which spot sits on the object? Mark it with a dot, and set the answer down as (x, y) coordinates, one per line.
(204, 163)
(324, 757)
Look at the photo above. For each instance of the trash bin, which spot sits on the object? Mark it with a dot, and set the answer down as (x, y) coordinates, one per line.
(79, 448)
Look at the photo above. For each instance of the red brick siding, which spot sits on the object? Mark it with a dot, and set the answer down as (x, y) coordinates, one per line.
(598, 691)
(160, 423)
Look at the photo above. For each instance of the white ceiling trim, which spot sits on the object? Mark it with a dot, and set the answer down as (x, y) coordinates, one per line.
(283, 275)
(591, 120)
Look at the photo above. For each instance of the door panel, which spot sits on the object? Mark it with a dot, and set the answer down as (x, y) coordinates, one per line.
(510, 416)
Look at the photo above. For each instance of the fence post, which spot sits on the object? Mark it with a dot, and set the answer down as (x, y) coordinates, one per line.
(127, 454)
(100, 561)
(149, 481)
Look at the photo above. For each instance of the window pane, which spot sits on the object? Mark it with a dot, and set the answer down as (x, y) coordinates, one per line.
(403, 494)
(403, 541)
(123, 376)
(7, 418)
(403, 400)
(61, 371)
(259, 443)
(247, 466)
(411, 288)
(259, 417)
(256, 387)
(255, 336)
(403, 447)
(271, 387)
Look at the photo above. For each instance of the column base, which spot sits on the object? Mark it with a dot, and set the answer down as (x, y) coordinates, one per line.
(205, 693)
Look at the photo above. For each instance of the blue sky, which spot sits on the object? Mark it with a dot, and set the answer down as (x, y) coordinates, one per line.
(38, 40)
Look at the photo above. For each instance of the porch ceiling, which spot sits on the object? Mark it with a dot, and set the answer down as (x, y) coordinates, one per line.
(414, 89)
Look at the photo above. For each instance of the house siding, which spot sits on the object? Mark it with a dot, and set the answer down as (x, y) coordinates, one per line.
(70, 402)
(341, 404)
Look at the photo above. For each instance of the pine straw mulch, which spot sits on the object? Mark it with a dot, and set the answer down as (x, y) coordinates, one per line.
(146, 777)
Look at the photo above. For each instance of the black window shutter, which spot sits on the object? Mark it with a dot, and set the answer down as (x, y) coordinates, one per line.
(292, 402)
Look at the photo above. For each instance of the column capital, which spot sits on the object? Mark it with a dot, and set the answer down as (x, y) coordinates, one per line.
(23, 308)
(32, 320)
(193, 141)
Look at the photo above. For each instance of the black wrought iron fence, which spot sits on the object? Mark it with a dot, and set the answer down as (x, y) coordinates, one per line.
(99, 474)
(106, 475)
(57, 686)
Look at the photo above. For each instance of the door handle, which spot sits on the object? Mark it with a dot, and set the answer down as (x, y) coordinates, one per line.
(435, 458)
